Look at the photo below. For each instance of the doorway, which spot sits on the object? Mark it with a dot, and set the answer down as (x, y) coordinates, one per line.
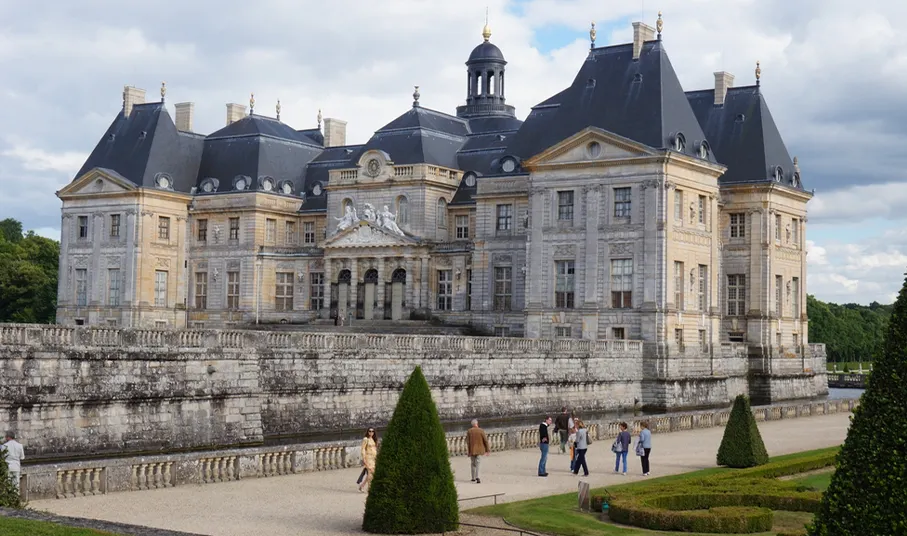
(370, 294)
(344, 278)
(398, 296)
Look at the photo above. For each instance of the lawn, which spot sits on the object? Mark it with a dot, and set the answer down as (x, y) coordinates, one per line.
(24, 527)
(817, 481)
(559, 514)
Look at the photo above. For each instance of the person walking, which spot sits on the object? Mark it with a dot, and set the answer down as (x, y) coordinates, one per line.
(571, 441)
(644, 446)
(369, 456)
(476, 447)
(582, 445)
(562, 428)
(544, 443)
(14, 456)
(621, 447)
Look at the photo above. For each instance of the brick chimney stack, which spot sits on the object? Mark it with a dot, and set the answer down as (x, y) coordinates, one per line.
(642, 32)
(723, 82)
(334, 132)
(235, 112)
(184, 113)
(132, 96)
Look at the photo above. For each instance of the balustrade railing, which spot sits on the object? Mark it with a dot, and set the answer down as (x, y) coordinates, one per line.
(81, 482)
(155, 475)
(218, 469)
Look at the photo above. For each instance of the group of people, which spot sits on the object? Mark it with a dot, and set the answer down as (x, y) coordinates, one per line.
(574, 435)
(14, 456)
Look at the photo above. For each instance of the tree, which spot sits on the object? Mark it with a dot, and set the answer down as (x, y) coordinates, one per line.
(413, 490)
(851, 332)
(28, 275)
(867, 494)
(9, 495)
(742, 444)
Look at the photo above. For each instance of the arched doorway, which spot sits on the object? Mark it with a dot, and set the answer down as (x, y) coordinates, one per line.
(369, 299)
(344, 278)
(394, 295)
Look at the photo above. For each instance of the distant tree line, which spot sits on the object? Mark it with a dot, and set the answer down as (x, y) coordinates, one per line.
(851, 332)
(28, 275)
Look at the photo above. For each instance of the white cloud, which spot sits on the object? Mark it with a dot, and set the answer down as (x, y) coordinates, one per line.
(34, 159)
(871, 270)
(862, 202)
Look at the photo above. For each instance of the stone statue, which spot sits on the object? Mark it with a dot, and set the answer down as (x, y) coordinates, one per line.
(371, 215)
(216, 233)
(388, 220)
(348, 219)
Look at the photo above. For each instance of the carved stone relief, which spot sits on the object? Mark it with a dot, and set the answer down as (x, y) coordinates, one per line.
(501, 258)
(161, 262)
(621, 248)
(565, 250)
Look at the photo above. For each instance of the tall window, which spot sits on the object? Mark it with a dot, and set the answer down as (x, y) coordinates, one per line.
(113, 287)
(163, 228)
(795, 231)
(738, 226)
(402, 210)
(445, 293)
(233, 290)
(778, 227)
(795, 297)
(290, 232)
(678, 206)
(469, 289)
(678, 285)
(703, 339)
(736, 294)
(505, 217)
(618, 334)
(81, 287)
(503, 288)
(678, 338)
(234, 228)
(702, 210)
(564, 285)
(202, 230)
(462, 223)
(283, 297)
(114, 226)
(442, 213)
(83, 227)
(160, 288)
(703, 288)
(622, 202)
(201, 290)
(565, 206)
(621, 283)
(779, 295)
(316, 291)
(308, 232)
(270, 230)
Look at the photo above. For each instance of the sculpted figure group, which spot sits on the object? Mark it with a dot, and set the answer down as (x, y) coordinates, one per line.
(384, 218)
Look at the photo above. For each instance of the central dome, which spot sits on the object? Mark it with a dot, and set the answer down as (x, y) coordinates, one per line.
(484, 52)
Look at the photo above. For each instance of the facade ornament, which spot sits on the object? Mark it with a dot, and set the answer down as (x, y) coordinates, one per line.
(216, 231)
(659, 25)
(214, 275)
(252, 104)
(278, 109)
(319, 118)
(692, 212)
(592, 35)
(388, 220)
(416, 96)
(67, 216)
(486, 31)
(670, 185)
(163, 91)
(758, 73)
(650, 183)
(692, 279)
(370, 214)
(348, 219)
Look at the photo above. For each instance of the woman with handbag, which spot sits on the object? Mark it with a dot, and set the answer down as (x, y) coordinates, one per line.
(369, 455)
(644, 446)
(620, 447)
(582, 444)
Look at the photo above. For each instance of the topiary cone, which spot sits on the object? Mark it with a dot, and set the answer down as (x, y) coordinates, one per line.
(413, 491)
(742, 444)
(868, 492)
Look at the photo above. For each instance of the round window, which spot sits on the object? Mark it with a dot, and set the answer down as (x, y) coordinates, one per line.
(470, 180)
(267, 185)
(241, 184)
(163, 181)
(594, 149)
(316, 190)
(680, 142)
(287, 188)
(508, 165)
(703, 150)
(208, 186)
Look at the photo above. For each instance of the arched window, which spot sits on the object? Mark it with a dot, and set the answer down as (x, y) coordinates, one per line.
(442, 213)
(491, 88)
(346, 203)
(402, 210)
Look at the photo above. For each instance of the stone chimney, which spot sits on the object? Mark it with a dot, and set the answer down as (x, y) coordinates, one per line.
(334, 132)
(131, 97)
(723, 82)
(184, 111)
(642, 32)
(235, 112)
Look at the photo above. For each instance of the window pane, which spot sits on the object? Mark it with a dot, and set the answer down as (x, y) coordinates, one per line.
(316, 291)
(622, 202)
(565, 206)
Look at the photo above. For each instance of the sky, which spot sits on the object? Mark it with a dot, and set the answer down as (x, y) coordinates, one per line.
(834, 73)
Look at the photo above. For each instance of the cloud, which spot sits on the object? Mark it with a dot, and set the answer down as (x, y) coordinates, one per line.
(34, 159)
(871, 270)
(862, 202)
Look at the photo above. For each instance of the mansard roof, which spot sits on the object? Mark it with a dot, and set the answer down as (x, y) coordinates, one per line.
(744, 137)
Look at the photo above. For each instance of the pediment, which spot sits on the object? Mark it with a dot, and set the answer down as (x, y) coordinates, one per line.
(98, 181)
(365, 234)
(590, 145)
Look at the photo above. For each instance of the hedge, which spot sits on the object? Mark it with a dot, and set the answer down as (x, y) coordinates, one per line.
(720, 519)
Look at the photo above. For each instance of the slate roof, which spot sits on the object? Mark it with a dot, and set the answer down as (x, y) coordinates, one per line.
(421, 135)
(743, 136)
(317, 172)
(486, 52)
(638, 99)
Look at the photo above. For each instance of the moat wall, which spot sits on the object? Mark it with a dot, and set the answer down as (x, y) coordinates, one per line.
(73, 391)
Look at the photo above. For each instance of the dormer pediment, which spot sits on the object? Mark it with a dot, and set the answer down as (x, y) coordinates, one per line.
(588, 146)
(98, 181)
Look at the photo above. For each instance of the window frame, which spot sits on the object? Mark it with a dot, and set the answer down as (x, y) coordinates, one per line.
(316, 291)
(469, 289)
(270, 230)
(308, 232)
(566, 206)
(283, 291)
(233, 289)
(502, 278)
(703, 210)
(290, 233)
(796, 313)
(201, 290)
(563, 332)
(565, 284)
(679, 289)
(201, 230)
(623, 204)
(623, 298)
(678, 207)
(703, 290)
(163, 228)
(441, 215)
(445, 289)
(161, 288)
(82, 232)
(234, 229)
(779, 295)
(736, 294)
(81, 287)
(462, 231)
(114, 287)
(619, 333)
(737, 225)
(115, 221)
(504, 217)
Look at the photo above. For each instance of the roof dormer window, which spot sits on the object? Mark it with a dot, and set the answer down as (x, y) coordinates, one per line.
(680, 142)
(796, 181)
(704, 150)
(778, 174)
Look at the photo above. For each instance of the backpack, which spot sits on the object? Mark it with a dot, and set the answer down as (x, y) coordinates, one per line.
(617, 447)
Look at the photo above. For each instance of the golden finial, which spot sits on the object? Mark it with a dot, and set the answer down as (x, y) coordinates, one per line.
(486, 31)
(758, 73)
(592, 35)
(252, 104)
(278, 109)
(163, 90)
(659, 25)
(319, 118)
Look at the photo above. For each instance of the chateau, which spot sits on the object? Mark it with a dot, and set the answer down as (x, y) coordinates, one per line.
(623, 207)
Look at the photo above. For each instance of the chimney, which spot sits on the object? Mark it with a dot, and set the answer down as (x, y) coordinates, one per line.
(131, 97)
(235, 112)
(334, 132)
(642, 32)
(184, 111)
(723, 82)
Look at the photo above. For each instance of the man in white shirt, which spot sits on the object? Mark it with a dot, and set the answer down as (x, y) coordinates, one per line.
(14, 456)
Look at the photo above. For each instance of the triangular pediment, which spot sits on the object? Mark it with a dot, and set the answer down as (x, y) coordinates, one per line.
(590, 145)
(366, 234)
(98, 181)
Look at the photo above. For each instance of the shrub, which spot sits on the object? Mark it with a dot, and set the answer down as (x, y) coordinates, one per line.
(9, 495)
(867, 494)
(413, 490)
(742, 444)
(718, 519)
(846, 369)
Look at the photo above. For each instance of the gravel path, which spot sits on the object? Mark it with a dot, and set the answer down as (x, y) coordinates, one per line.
(327, 503)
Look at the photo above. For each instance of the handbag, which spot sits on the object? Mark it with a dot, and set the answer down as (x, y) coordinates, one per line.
(617, 447)
(639, 450)
(362, 475)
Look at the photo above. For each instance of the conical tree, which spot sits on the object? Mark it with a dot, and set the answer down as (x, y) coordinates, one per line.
(742, 444)
(868, 492)
(413, 489)
(9, 495)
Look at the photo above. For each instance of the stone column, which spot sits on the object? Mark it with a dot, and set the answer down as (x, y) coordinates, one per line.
(64, 292)
(354, 278)
(379, 290)
(96, 280)
(590, 284)
(425, 289)
(535, 270)
(328, 277)
(409, 289)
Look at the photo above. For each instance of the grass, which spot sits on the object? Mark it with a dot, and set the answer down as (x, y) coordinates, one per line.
(817, 481)
(23, 527)
(558, 514)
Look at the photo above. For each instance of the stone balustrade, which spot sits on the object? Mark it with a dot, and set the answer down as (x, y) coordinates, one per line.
(150, 472)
